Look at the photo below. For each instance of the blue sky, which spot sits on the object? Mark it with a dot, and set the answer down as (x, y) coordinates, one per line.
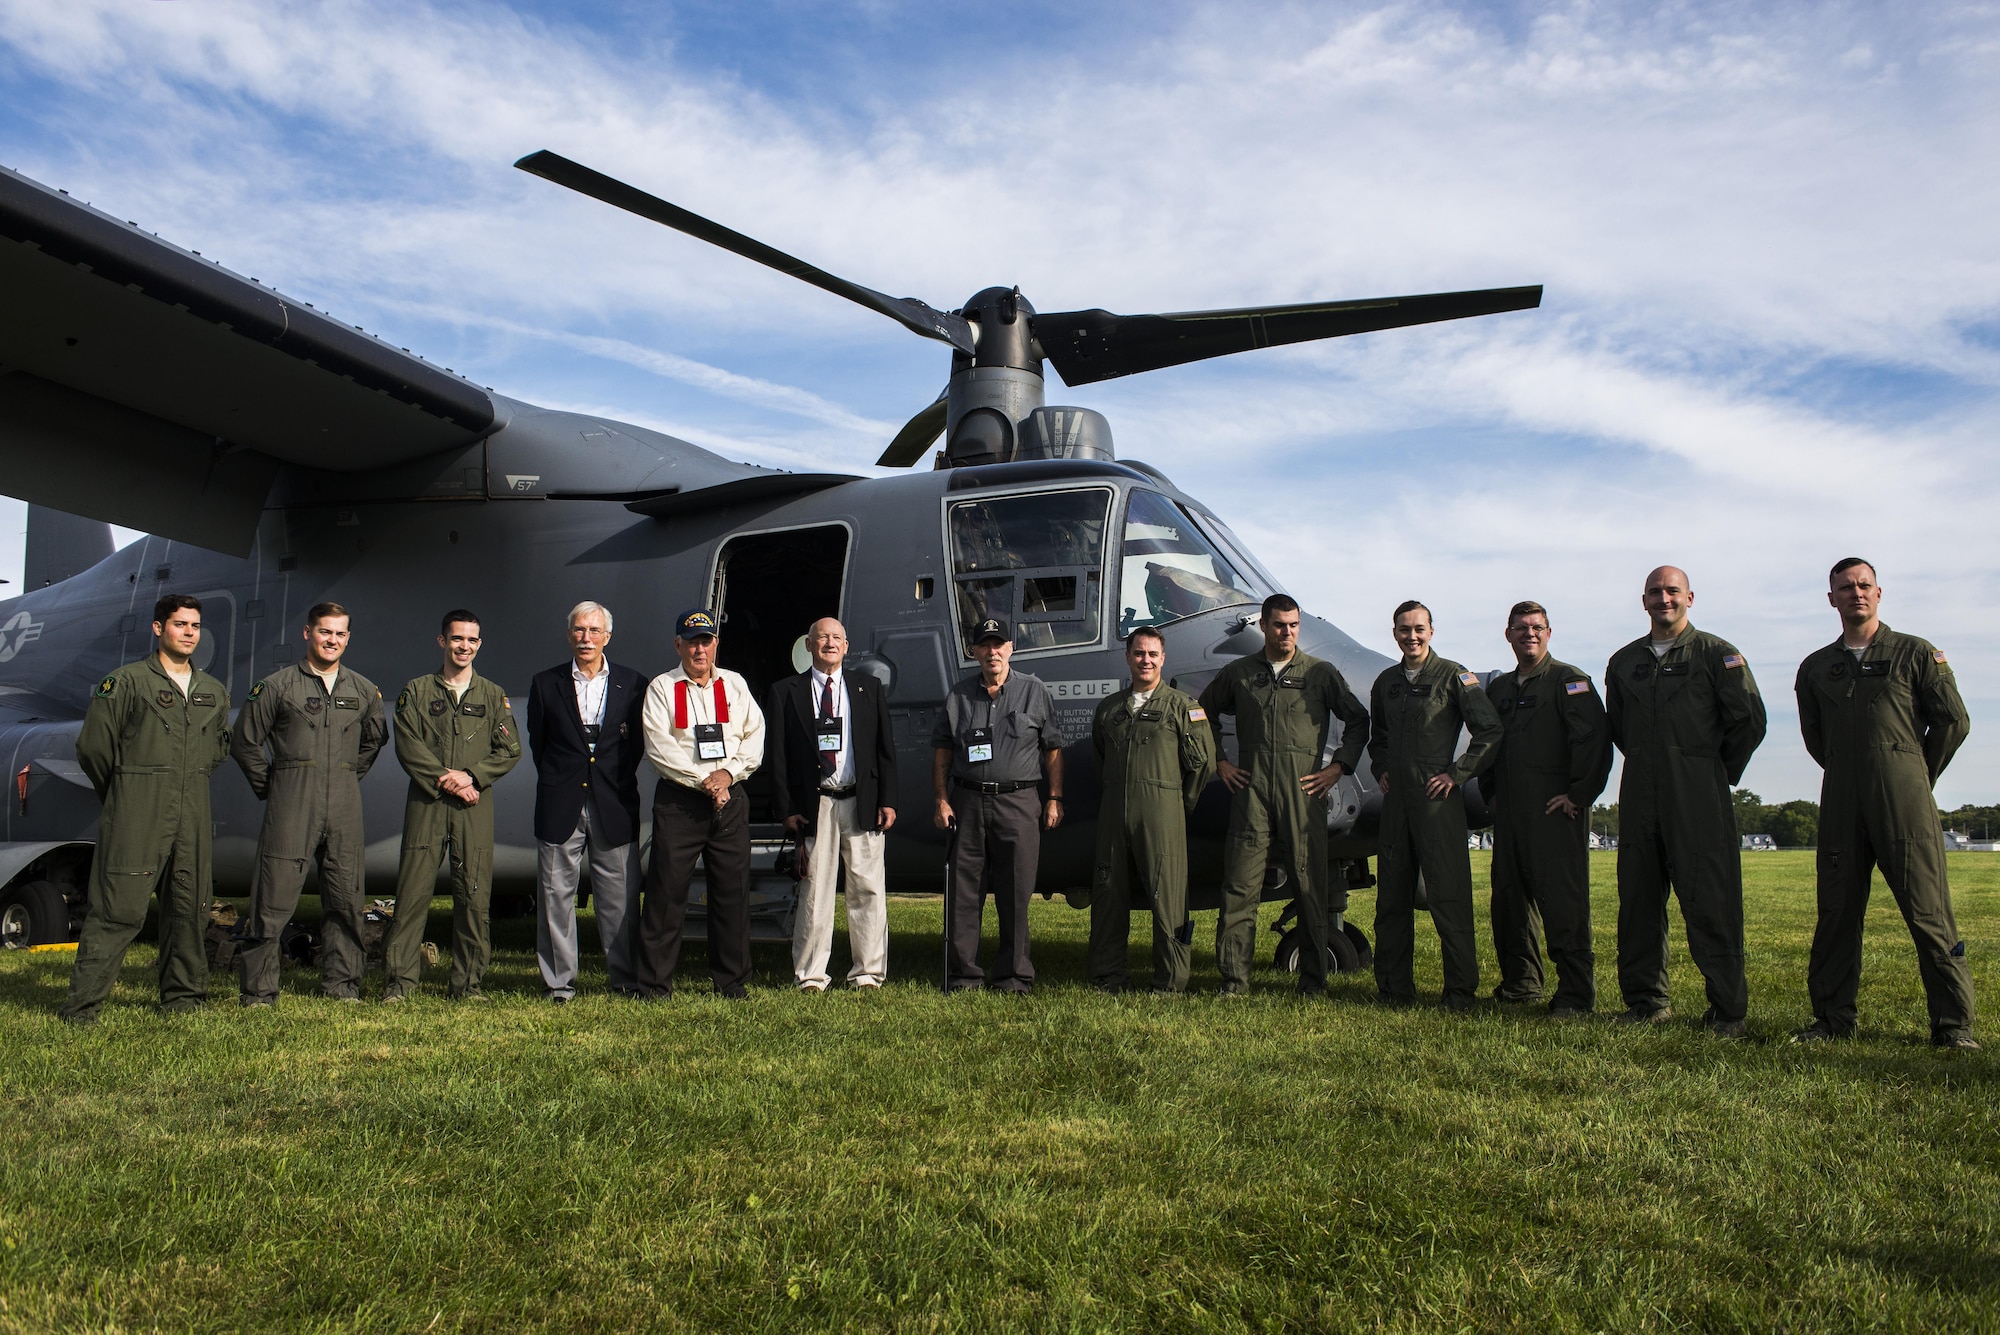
(1766, 231)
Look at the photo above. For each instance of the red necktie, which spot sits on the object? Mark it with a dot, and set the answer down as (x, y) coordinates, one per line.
(829, 761)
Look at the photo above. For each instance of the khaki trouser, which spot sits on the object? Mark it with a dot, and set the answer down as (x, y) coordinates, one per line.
(840, 837)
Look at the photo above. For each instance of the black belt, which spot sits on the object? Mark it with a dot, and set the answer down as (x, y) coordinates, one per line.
(838, 793)
(972, 787)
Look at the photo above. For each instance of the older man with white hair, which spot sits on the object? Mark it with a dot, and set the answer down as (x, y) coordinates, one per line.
(584, 727)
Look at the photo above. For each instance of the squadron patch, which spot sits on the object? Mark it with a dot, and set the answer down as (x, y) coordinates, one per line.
(167, 696)
(1937, 656)
(256, 690)
(401, 700)
(106, 687)
(1576, 687)
(439, 706)
(1469, 678)
(1197, 714)
(1732, 660)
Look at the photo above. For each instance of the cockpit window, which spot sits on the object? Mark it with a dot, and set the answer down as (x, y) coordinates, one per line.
(1035, 561)
(1171, 569)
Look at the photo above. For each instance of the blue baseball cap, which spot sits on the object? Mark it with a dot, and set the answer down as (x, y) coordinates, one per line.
(695, 623)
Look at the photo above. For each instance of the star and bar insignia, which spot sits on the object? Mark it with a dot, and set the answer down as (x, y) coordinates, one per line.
(1732, 660)
(1576, 687)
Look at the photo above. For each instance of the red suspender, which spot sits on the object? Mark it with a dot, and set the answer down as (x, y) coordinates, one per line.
(681, 703)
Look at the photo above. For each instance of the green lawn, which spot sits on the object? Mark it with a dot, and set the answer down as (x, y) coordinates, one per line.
(1061, 1162)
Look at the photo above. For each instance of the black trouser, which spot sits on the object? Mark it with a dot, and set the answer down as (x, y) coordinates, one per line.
(688, 825)
(1541, 874)
(997, 847)
(1914, 869)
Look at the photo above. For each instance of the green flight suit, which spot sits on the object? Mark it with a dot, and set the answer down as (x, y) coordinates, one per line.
(1556, 744)
(148, 750)
(1688, 723)
(436, 731)
(1283, 720)
(1883, 728)
(1152, 764)
(321, 743)
(1417, 723)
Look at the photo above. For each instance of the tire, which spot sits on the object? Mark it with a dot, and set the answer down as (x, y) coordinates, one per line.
(1364, 954)
(1340, 953)
(1286, 957)
(34, 914)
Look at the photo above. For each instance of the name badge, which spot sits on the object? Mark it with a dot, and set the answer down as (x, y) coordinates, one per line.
(1151, 715)
(708, 741)
(1878, 667)
(476, 711)
(1526, 702)
(828, 732)
(1679, 669)
(346, 702)
(979, 746)
(208, 697)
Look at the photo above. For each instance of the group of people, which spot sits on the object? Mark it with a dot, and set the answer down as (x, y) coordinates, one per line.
(1879, 711)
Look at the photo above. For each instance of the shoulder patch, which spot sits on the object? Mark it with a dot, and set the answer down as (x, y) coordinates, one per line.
(1576, 687)
(1937, 656)
(256, 690)
(106, 687)
(505, 703)
(1469, 678)
(401, 700)
(1732, 660)
(1196, 714)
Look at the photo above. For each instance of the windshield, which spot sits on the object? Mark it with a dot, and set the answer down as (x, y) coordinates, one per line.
(1035, 561)
(1170, 569)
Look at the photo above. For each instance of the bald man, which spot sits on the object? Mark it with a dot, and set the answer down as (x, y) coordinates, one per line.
(1685, 712)
(832, 757)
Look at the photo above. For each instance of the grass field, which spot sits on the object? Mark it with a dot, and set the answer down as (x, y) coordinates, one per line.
(1066, 1161)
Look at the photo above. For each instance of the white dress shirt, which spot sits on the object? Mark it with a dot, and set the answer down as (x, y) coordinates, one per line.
(672, 750)
(591, 691)
(843, 764)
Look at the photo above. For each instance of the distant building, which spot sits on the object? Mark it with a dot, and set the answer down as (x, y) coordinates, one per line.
(1759, 843)
(1958, 841)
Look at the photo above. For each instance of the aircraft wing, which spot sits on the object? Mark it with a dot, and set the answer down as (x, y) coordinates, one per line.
(145, 385)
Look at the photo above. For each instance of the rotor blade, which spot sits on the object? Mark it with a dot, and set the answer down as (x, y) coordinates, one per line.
(912, 314)
(1088, 346)
(915, 437)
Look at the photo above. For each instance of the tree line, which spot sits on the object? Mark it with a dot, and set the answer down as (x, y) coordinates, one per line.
(1796, 824)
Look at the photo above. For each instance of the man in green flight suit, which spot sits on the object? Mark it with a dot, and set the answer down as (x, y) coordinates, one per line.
(322, 722)
(1554, 758)
(1685, 710)
(1152, 746)
(1419, 706)
(455, 737)
(1881, 714)
(1284, 702)
(154, 732)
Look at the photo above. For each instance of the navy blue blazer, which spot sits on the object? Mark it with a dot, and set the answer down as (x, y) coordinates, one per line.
(567, 775)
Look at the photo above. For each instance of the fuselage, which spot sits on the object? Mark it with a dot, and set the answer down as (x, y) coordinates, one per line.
(1074, 552)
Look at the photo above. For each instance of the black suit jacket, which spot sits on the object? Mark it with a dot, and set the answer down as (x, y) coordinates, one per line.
(565, 775)
(791, 752)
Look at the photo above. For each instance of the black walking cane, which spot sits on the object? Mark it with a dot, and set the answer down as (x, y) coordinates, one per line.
(950, 858)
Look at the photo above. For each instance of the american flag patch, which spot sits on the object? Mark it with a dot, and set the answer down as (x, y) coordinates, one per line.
(1469, 678)
(1732, 660)
(1576, 687)
(1937, 656)
(1197, 715)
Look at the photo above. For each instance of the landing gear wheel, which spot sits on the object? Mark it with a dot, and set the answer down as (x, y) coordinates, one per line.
(1340, 953)
(1364, 954)
(34, 914)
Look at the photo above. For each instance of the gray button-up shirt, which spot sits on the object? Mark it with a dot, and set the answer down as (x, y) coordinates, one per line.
(1021, 718)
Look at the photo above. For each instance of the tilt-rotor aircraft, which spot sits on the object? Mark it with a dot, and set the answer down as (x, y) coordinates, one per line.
(278, 457)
